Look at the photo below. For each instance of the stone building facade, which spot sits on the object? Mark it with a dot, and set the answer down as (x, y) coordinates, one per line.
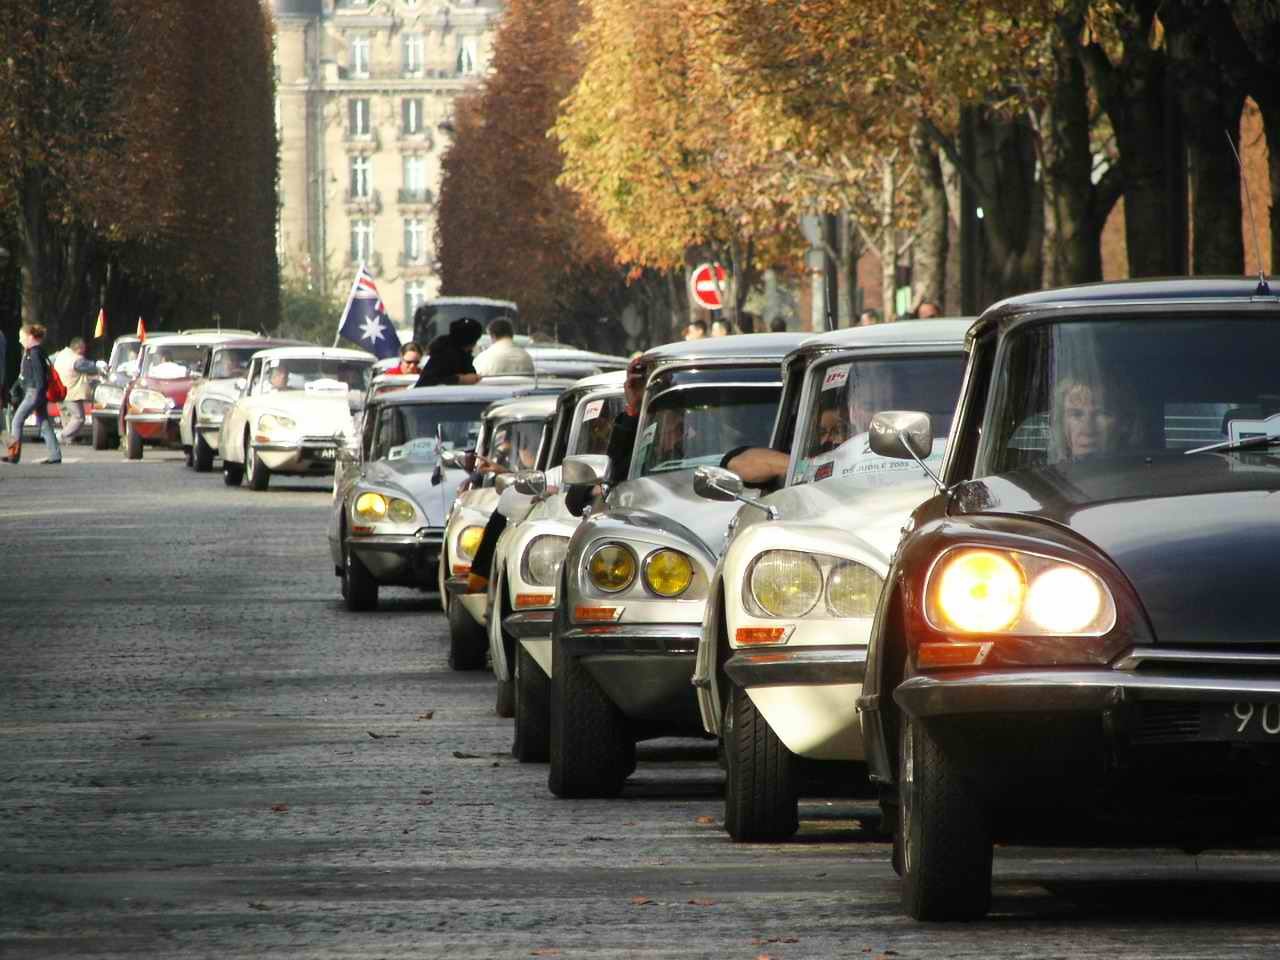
(365, 93)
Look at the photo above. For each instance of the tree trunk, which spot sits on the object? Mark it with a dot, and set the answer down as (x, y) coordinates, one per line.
(929, 252)
(888, 246)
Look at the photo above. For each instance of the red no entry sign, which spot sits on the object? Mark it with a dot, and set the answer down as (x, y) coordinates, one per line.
(702, 285)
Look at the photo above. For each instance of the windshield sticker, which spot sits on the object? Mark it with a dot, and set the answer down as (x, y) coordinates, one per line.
(836, 377)
(592, 410)
(1248, 429)
(421, 448)
(824, 471)
(326, 386)
(854, 460)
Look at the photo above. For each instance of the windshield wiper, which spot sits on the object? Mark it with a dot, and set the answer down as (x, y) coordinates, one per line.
(1248, 443)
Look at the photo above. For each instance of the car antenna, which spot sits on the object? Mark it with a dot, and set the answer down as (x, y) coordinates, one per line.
(1264, 288)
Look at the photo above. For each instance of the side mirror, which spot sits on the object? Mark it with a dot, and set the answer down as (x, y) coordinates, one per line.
(588, 469)
(453, 458)
(240, 383)
(502, 481)
(901, 434)
(716, 483)
(532, 483)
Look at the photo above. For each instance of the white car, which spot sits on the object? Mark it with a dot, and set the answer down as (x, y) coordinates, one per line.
(293, 415)
(784, 637)
(513, 437)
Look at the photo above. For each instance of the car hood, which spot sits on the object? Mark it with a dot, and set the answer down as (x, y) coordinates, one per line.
(1196, 536)
(412, 481)
(316, 414)
(175, 389)
(658, 501)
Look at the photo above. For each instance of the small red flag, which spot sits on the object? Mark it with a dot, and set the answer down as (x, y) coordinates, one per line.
(100, 330)
(142, 330)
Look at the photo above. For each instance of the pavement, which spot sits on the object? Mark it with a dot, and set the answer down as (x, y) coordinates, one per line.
(202, 754)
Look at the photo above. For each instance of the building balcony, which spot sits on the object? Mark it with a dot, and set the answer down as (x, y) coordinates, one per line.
(417, 140)
(373, 261)
(368, 202)
(369, 142)
(406, 196)
(413, 262)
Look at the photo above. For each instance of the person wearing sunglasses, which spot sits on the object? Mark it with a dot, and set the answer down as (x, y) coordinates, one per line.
(410, 359)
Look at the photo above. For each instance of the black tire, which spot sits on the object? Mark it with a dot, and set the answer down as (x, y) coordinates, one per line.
(760, 790)
(132, 443)
(468, 642)
(531, 742)
(592, 753)
(359, 589)
(232, 473)
(201, 455)
(187, 457)
(256, 472)
(101, 435)
(505, 703)
(946, 834)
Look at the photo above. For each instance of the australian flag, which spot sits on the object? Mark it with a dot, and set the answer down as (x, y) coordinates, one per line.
(365, 321)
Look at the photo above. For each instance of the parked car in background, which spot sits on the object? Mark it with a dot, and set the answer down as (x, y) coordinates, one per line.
(211, 395)
(293, 415)
(636, 572)
(784, 633)
(561, 361)
(389, 510)
(1076, 628)
(433, 318)
(122, 367)
(513, 435)
(151, 409)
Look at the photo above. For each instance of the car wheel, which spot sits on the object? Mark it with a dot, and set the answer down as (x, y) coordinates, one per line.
(255, 470)
(760, 779)
(946, 837)
(468, 641)
(533, 710)
(187, 458)
(201, 455)
(359, 589)
(592, 753)
(505, 703)
(232, 473)
(101, 437)
(132, 444)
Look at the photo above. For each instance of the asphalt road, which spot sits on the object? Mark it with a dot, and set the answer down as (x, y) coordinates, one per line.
(203, 755)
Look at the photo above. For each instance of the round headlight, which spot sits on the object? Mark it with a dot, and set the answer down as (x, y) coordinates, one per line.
(274, 421)
(853, 590)
(401, 511)
(148, 400)
(1064, 600)
(213, 407)
(612, 568)
(786, 583)
(371, 507)
(469, 542)
(668, 573)
(980, 591)
(543, 559)
(105, 395)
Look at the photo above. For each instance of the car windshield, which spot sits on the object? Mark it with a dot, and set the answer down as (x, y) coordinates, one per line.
(1155, 389)
(597, 424)
(297, 373)
(413, 432)
(174, 361)
(123, 351)
(698, 425)
(230, 362)
(849, 393)
(514, 444)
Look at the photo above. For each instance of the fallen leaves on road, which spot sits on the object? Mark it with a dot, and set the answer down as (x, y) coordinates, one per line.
(459, 755)
(279, 808)
(765, 941)
(705, 821)
(259, 905)
(641, 901)
(545, 952)
(426, 716)
(383, 736)
(701, 902)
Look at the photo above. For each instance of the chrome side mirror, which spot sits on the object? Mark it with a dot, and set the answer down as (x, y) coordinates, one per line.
(717, 483)
(240, 383)
(901, 434)
(452, 458)
(586, 469)
(531, 483)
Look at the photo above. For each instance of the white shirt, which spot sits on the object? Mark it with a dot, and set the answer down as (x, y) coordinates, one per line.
(504, 359)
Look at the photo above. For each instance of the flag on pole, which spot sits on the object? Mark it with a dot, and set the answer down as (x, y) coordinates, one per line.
(100, 330)
(142, 330)
(365, 321)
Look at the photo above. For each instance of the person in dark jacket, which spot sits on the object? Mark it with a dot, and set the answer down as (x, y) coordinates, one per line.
(35, 387)
(449, 356)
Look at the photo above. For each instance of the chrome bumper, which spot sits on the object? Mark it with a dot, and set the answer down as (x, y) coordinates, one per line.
(645, 669)
(626, 638)
(799, 666)
(172, 416)
(408, 557)
(530, 624)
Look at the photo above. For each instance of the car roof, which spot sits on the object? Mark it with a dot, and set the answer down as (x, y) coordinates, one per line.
(597, 381)
(259, 342)
(897, 334)
(741, 346)
(522, 408)
(483, 301)
(309, 350)
(557, 352)
(472, 393)
(180, 339)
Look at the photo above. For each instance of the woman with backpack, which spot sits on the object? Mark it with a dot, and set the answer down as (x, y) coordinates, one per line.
(34, 380)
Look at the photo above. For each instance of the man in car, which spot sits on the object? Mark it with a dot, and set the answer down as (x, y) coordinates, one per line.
(504, 358)
(1091, 416)
(278, 379)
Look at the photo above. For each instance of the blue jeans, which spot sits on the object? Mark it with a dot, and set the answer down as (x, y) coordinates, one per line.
(31, 404)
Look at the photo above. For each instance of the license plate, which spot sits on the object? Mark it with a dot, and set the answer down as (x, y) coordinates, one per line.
(326, 453)
(1252, 722)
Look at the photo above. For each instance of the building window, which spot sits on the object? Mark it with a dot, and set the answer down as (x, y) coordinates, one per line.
(415, 295)
(360, 56)
(361, 177)
(411, 115)
(415, 241)
(415, 175)
(412, 53)
(358, 117)
(467, 56)
(361, 241)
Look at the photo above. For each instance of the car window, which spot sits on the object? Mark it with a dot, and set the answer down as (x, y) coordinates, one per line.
(296, 373)
(1089, 390)
(230, 362)
(597, 424)
(514, 444)
(413, 432)
(174, 361)
(846, 394)
(689, 427)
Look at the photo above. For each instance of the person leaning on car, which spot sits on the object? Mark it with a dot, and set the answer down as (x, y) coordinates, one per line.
(504, 358)
(77, 375)
(449, 356)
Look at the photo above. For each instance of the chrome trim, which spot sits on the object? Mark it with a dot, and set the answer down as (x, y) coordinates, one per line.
(814, 666)
(680, 387)
(173, 416)
(1137, 656)
(532, 624)
(615, 638)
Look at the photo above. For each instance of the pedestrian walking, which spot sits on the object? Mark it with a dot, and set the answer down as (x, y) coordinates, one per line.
(449, 356)
(33, 381)
(503, 358)
(78, 376)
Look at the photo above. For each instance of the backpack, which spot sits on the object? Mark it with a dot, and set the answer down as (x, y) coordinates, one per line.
(56, 390)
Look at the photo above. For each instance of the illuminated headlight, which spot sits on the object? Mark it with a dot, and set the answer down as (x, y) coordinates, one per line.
(785, 583)
(542, 560)
(612, 568)
(149, 400)
(668, 573)
(372, 507)
(106, 395)
(979, 591)
(469, 542)
(275, 423)
(211, 408)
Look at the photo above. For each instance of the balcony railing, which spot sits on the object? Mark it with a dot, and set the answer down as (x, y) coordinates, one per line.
(362, 141)
(373, 261)
(370, 200)
(413, 260)
(408, 196)
(418, 139)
